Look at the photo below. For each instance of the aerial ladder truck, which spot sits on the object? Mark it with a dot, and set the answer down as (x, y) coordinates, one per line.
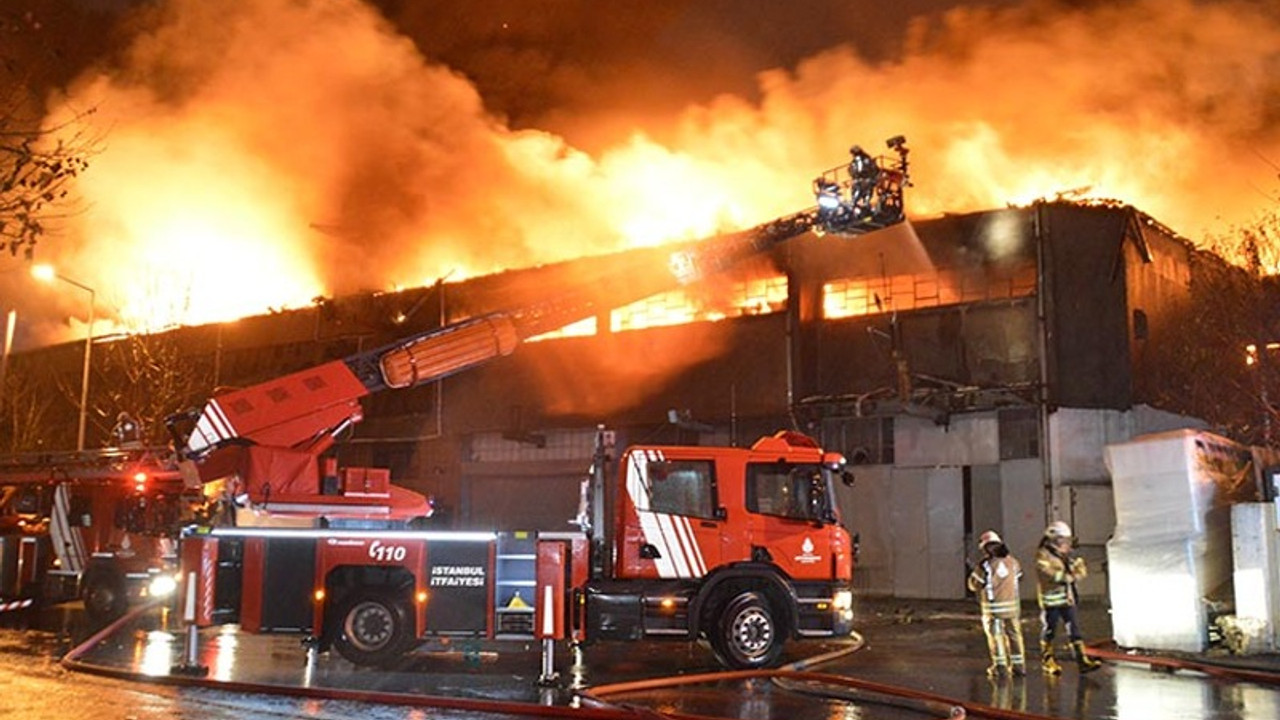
(740, 546)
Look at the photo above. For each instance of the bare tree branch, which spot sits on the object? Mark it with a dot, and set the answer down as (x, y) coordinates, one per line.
(38, 162)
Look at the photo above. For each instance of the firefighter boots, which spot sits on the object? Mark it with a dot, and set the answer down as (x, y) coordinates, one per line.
(1047, 661)
(1086, 663)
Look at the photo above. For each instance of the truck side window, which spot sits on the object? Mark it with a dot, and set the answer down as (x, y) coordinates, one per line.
(681, 487)
(29, 501)
(790, 491)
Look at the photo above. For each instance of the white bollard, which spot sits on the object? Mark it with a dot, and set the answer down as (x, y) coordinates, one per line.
(191, 651)
(549, 675)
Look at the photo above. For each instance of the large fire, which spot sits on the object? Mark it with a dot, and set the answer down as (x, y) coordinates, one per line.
(247, 163)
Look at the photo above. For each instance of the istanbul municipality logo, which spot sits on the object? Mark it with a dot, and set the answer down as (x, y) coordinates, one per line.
(806, 556)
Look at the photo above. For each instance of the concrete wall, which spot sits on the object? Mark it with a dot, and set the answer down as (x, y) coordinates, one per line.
(910, 516)
(972, 439)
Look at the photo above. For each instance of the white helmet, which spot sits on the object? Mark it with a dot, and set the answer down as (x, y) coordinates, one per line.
(1057, 529)
(990, 537)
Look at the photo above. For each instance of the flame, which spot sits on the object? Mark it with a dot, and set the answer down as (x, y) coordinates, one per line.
(248, 166)
(755, 296)
(193, 242)
(873, 296)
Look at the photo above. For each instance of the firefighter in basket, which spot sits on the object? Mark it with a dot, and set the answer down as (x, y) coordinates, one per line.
(1057, 571)
(995, 580)
(864, 174)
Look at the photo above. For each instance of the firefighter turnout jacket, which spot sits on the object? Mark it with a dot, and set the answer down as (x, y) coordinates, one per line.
(1056, 576)
(995, 581)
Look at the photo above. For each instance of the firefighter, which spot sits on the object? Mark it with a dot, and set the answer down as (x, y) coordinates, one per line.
(865, 174)
(1057, 571)
(996, 581)
(126, 432)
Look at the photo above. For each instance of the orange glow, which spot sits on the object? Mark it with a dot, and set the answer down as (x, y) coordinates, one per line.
(758, 296)
(238, 175)
(203, 239)
(871, 296)
(43, 272)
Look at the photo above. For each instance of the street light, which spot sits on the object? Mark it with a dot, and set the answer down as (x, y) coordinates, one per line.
(46, 273)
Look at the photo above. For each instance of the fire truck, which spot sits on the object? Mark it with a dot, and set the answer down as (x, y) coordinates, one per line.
(99, 525)
(740, 546)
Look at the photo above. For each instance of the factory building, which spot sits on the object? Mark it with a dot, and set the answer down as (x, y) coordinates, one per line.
(971, 367)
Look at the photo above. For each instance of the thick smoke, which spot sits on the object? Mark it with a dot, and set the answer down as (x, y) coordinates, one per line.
(258, 154)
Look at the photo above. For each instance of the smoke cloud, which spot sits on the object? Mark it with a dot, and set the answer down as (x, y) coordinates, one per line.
(259, 154)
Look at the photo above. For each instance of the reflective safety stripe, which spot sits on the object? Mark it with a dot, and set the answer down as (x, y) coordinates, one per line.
(671, 535)
(1055, 597)
(68, 545)
(1002, 609)
(212, 427)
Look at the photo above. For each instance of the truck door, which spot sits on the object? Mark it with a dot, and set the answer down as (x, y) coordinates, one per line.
(791, 520)
(671, 518)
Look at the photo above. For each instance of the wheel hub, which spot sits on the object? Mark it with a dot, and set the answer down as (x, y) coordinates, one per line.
(753, 632)
(369, 626)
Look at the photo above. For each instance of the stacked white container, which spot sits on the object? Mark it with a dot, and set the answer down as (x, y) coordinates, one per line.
(1170, 557)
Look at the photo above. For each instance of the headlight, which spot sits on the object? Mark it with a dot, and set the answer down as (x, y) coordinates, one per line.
(843, 600)
(162, 585)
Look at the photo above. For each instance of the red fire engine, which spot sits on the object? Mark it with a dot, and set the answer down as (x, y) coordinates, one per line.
(99, 525)
(743, 547)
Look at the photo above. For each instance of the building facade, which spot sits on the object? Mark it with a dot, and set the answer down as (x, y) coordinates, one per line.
(971, 367)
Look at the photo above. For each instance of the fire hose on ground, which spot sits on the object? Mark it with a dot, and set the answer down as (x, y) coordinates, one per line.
(800, 677)
(73, 660)
(1108, 650)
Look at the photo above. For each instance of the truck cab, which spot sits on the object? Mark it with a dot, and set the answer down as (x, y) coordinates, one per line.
(743, 547)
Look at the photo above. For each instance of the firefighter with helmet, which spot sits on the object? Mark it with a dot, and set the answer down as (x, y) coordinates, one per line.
(1057, 571)
(864, 174)
(996, 582)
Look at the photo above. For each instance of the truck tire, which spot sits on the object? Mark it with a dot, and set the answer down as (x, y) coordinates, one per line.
(104, 598)
(373, 629)
(747, 635)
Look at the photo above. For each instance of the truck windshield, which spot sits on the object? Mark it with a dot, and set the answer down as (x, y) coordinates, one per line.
(801, 492)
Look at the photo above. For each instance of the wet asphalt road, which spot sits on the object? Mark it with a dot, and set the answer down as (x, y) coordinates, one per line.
(932, 647)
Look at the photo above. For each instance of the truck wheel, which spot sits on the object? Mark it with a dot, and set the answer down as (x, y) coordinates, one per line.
(104, 599)
(747, 635)
(373, 630)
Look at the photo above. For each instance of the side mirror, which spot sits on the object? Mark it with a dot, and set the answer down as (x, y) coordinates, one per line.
(846, 478)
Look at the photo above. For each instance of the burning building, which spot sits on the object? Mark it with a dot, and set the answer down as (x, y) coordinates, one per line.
(972, 367)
